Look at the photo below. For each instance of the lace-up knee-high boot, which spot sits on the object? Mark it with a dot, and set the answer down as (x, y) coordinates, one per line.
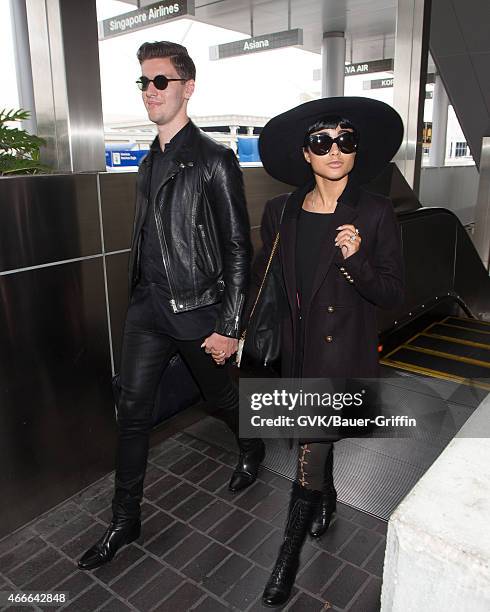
(301, 508)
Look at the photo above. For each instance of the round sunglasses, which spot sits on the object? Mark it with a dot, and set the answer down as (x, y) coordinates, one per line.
(321, 143)
(160, 81)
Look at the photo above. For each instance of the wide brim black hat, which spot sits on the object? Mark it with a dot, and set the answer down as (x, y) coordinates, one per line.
(379, 126)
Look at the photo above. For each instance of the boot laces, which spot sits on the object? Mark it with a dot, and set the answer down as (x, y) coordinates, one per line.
(291, 546)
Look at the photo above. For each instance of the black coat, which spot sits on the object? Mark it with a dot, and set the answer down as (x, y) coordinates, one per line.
(341, 337)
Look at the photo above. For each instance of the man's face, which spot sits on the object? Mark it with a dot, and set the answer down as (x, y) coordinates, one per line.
(335, 165)
(164, 105)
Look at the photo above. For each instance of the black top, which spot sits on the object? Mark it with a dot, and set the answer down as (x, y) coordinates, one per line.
(311, 231)
(188, 325)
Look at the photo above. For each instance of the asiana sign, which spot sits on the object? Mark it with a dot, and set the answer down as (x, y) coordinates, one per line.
(264, 42)
(146, 17)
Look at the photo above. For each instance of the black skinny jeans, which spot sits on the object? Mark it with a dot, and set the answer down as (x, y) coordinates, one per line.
(145, 354)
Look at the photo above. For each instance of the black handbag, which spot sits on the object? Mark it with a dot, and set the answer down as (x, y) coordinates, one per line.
(260, 342)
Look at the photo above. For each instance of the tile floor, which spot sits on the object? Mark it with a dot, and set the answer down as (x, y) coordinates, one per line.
(202, 548)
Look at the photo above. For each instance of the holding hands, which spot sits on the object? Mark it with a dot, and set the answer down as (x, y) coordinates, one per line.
(220, 347)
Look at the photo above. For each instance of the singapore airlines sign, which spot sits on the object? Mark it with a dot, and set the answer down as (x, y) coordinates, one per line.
(146, 17)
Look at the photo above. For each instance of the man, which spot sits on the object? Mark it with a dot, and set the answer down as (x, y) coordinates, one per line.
(189, 272)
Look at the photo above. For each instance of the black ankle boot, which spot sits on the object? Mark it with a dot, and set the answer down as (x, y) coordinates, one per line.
(252, 453)
(328, 503)
(119, 533)
(301, 508)
(324, 512)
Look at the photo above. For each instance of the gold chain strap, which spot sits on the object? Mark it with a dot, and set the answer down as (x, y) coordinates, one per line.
(241, 342)
(274, 248)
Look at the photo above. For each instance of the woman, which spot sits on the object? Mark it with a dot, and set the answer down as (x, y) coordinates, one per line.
(340, 254)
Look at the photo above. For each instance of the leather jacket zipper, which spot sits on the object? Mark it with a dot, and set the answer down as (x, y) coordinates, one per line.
(237, 318)
(161, 233)
(205, 246)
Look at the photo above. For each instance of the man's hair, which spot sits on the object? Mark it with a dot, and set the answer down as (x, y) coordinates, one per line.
(330, 122)
(181, 60)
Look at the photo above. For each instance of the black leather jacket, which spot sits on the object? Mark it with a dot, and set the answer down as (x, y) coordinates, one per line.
(206, 247)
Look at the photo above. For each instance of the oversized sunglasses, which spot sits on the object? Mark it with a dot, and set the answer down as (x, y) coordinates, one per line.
(160, 82)
(321, 143)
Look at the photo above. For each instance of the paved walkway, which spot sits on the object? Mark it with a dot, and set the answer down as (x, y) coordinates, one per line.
(202, 548)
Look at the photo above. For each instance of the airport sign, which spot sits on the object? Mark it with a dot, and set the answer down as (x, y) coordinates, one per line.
(255, 44)
(388, 82)
(379, 83)
(383, 65)
(145, 17)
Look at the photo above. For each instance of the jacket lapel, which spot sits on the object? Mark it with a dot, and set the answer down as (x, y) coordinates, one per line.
(344, 214)
(180, 158)
(287, 241)
(142, 193)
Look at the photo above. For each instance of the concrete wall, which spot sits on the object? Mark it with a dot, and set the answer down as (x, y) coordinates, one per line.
(438, 544)
(452, 187)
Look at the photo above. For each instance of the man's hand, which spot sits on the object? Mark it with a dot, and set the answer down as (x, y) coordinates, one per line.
(220, 347)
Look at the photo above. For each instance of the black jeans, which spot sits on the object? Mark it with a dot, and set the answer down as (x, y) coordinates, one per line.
(145, 354)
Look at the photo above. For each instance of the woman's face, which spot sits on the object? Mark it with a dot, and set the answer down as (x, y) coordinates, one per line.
(335, 165)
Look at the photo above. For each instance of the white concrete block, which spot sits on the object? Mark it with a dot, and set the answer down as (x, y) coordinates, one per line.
(438, 543)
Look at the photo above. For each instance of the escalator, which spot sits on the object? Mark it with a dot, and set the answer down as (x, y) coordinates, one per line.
(454, 348)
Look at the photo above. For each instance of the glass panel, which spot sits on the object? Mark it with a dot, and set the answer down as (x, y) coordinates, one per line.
(9, 97)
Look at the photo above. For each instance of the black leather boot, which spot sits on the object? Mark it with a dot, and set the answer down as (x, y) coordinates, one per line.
(119, 533)
(252, 453)
(328, 503)
(301, 508)
(324, 512)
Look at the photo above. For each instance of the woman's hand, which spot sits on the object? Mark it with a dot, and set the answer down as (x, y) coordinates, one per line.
(220, 347)
(348, 240)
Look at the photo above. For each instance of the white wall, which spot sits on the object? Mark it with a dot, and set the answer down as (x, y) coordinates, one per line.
(438, 544)
(453, 187)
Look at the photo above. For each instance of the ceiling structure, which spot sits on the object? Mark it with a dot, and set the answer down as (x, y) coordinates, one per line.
(459, 39)
(460, 44)
(369, 25)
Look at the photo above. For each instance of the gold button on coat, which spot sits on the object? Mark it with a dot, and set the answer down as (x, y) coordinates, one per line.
(328, 338)
(330, 309)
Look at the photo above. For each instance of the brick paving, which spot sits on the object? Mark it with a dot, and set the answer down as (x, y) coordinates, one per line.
(202, 548)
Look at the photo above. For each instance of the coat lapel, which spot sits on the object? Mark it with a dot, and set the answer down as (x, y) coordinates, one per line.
(344, 213)
(287, 242)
